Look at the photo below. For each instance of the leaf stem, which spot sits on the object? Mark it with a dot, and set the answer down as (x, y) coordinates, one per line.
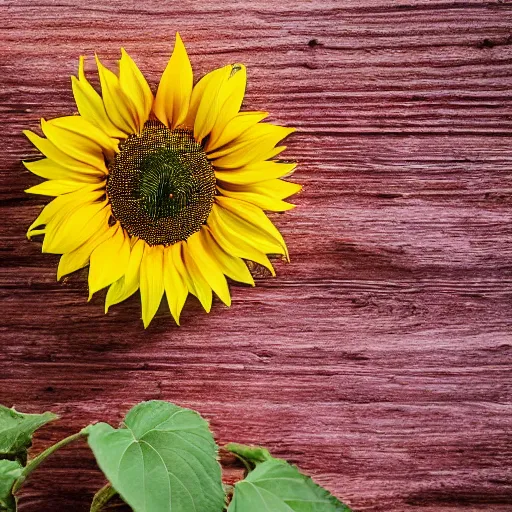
(244, 462)
(102, 497)
(34, 463)
(228, 488)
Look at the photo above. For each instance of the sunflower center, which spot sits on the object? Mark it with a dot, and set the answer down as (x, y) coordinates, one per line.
(161, 185)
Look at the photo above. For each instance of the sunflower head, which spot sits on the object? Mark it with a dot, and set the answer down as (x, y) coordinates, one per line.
(161, 185)
(163, 193)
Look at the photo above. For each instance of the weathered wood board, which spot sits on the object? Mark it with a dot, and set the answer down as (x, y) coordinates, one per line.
(379, 359)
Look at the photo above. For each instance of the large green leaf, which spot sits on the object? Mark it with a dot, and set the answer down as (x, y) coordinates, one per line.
(16, 430)
(10, 471)
(162, 459)
(276, 486)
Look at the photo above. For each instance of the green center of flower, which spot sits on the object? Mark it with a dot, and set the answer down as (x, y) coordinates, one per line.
(161, 185)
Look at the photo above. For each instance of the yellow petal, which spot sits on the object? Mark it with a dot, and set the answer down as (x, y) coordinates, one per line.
(135, 86)
(51, 151)
(84, 132)
(62, 206)
(119, 107)
(262, 201)
(233, 91)
(254, 173)
(51, 170)
(109, 261)
(278, 189)
(91, 106)
(233, 129)
(151, 281)
(128, 284)
(177, 258)
(264, 135)
(207, 265)
(196, 283)
(57, 187)
(230, 265)
(265, 194)
(71, 232)
(221, 99)
(175, 88)
(255, 144)
(197, 95)
(251, 220)
(35, 232)
(80, 140)
(234, 242)
(175, 287)
(79, 257)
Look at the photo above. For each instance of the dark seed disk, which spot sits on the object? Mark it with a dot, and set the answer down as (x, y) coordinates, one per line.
(161, 185)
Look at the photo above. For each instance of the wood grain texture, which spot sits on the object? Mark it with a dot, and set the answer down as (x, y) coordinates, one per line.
(379, 359)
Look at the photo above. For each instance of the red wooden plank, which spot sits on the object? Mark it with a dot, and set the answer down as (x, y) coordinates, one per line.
(379, 359)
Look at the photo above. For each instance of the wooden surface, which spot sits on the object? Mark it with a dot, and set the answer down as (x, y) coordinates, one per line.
(379, 360)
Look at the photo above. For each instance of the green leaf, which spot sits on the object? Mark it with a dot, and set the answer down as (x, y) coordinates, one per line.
(10, 471)
(16, 430)
(162, 458)
(276, 486)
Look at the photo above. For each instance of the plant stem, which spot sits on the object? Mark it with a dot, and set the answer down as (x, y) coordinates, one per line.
(248, 468)
(102, 497)
(34, 463)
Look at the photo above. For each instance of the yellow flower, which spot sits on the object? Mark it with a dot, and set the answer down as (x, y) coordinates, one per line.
(164, 193)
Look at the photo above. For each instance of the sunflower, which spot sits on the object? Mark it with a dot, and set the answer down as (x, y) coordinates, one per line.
(164, 193)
